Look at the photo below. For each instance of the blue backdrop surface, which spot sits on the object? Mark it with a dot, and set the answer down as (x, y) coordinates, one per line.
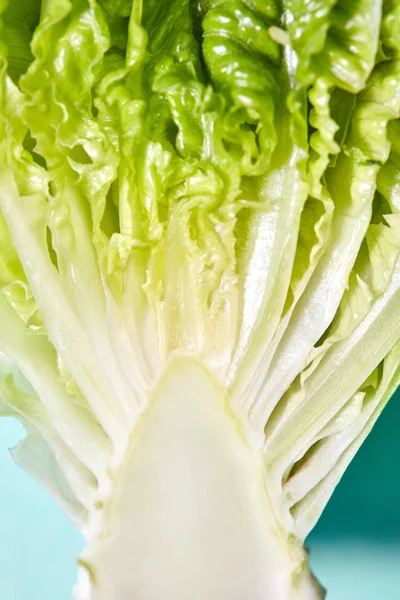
(355, 548)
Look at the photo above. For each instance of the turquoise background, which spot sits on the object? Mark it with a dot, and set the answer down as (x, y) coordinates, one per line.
(355, 548)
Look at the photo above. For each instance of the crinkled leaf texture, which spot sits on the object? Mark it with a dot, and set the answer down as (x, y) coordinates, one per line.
(217, 180)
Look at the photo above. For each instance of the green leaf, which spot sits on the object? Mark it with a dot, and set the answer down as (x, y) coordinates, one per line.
(36, 458)
(19, 19)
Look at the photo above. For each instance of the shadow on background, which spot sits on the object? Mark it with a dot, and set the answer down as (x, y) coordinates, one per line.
(366, 504)
(355, 547)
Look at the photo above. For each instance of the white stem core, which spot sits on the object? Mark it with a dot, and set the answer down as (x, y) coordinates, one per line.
(189, 517)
